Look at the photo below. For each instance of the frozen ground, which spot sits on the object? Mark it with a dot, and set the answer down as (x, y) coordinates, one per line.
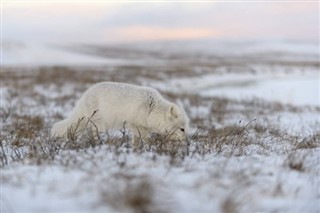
(255, 137)
(290, 88)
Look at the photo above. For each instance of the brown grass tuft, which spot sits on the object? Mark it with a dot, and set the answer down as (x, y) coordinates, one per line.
(229, 205)
(309, 142)
(295, 161)
(135, 194)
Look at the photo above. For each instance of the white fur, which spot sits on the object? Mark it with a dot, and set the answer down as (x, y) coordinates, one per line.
(141, 109)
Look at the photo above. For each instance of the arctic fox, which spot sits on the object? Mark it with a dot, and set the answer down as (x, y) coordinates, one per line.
(111, 105)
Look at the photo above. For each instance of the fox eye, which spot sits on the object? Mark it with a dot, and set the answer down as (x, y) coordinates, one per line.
(182, 129)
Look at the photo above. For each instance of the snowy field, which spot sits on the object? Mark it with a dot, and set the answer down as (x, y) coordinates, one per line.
(255, 130)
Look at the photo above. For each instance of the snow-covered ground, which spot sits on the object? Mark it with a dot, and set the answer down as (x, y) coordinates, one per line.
(297, 88)
(209, 183)
(255, 136)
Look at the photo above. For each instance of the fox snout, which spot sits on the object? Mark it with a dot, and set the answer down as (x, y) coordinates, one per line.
(181, 137)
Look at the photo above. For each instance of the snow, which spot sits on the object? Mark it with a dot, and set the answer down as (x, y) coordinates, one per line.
(41, 54)
(258, 177)
(196, 185)
(291, 88)
(45, 54)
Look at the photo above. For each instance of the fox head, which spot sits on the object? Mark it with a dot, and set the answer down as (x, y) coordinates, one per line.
(177, 122)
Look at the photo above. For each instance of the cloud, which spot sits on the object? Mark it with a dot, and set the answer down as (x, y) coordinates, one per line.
(108, 22)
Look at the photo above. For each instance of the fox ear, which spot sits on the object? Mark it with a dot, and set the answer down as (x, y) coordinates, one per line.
(173, 111)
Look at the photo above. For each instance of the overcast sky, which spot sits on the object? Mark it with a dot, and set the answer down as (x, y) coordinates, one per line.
(46, 22)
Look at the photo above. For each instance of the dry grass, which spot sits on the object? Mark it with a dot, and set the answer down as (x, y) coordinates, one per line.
(136, 194)
(295, 161)
(26, 135)
(26, 139)
(229, 205)
(309, 142)
(28, 115)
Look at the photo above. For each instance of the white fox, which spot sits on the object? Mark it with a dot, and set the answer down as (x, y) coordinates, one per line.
(111, 105)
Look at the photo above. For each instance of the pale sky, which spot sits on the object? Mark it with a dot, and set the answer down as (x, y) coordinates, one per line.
(101, 22)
